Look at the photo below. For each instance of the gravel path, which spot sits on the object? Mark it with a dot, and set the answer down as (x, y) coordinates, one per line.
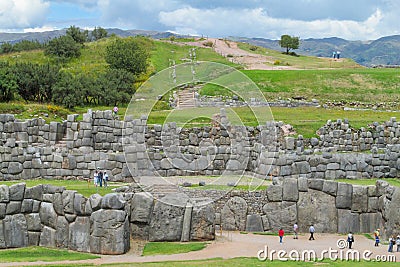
(233, 244)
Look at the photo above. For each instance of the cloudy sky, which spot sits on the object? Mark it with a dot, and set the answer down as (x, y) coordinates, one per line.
(349, 19)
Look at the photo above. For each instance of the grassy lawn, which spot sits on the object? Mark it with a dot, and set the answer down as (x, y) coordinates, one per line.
(391, 181)
(80, 186)
(166, 248)
(31, 254)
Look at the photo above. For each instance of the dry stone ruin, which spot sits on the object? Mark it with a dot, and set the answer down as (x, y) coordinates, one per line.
(303, 170)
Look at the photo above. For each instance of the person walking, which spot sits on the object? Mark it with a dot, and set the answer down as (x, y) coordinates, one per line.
(296, 231)
(377, 236)
(105, 179)
(95, 178)
(312, 231)
(398, 243)
(350, 239)
(100, 178)
(391, 243)
(281, 233)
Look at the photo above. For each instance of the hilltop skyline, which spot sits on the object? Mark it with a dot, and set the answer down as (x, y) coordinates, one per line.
(351, 20)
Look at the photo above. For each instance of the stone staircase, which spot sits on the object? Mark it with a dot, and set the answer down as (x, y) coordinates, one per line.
(161, 190)
(186, 99)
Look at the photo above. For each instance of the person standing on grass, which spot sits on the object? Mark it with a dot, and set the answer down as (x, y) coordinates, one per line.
(105, 179)
(312, 231)
(115, 110)
(95, 178)
(100, 178)
(296, 231)
(281, 233)
(391, 243)
(398, 243)
(350, 239)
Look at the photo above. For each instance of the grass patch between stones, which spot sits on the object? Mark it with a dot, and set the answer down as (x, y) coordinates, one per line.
(167, 248)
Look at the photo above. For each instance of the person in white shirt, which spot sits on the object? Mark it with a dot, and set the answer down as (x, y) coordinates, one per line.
(296, 231)
(312, 231)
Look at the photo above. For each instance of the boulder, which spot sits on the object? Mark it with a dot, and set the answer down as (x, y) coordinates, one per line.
(344, 196)
(58, 203)
(95, 201)
(318, 208)
(27, 206)
(33, 238)
(274, 193)
(265, 223)
(13, 207)
(80, 205)
(17, 192)
(234, 214)
(4, 194)
(48, 237)
(33, 222)
(203, 223)
(392, 214)
(68, 198)
(290, 190)
(141, 207)
(167, 218)
(330, 187)
(62, 232)
(48, 215)
(280, 215)
(79, 234)
(359, 199)
(15, 231)
(302, 184)
(254, 223)
(113, 201)
(35, 192)
(15, 168)
(316, 184)
(348, 221)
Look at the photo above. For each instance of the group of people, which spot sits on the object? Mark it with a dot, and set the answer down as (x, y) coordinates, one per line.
(281, 233)
(336, 54)
(393, 240)
(100, 178)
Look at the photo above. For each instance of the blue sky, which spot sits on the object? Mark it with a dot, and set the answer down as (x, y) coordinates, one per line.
(348, 19)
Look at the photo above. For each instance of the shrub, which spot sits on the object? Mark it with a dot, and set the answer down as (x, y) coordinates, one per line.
(253, 48)
(208, 44)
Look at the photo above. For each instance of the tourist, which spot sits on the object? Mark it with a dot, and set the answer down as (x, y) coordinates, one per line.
(95, 178)
(350, 239)
(338, 54)
(100, 178)
(312, 231)
(115, 110)
(296, 231)
(377, 235)
(392, 241)
(334, 54)
(398, 243)
(281, 234)
(105, 179)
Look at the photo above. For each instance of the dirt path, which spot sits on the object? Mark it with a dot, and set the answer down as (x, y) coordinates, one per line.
(234, 244)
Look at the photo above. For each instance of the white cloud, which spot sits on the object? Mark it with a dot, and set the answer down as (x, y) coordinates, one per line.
(257, 23)
(19, 14)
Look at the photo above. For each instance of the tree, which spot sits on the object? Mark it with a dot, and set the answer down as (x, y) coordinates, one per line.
(129, 54)
(63, 48)
(8, 84)
(99, 33)
(289, 42)
(6, 48)
(79, 36)
(116, 86)
(68, 91)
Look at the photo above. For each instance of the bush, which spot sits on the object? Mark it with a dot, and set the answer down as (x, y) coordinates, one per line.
(253, 48)
(208, 44)
(277, 62)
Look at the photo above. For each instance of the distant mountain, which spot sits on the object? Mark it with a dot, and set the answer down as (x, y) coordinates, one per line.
(384, 51)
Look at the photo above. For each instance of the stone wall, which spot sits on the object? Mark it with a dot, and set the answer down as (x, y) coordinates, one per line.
(32, 149)
(331, 206)
(51, 216)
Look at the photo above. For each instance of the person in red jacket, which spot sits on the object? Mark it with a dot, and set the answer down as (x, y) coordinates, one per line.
(281, 234)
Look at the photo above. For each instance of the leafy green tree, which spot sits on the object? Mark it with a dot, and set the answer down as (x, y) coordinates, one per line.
(8, 84)
(68, 91)
(26, 45)
(63, 48)
(116, 86)
(6, 48)
(99, 33)
(289, 42)
(79, 36)
(128, 54)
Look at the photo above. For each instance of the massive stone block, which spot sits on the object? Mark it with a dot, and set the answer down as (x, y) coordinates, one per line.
(35, 192)
(17, 192)
(48, 237)
(359, 199)
(369, 222)
(33, 222)
(79, 234)
(110, 232)
(274, 193)
(344, 196)
(234, 214)
(58, 203)
(68, 198)
(348, 221)
(290, 190)
(203, 222)
(141, 207)
(113, 201)
(4, 194)
(167, 218)
(254, 223)
(2, 237)
(281, 215)
(15, 231)
(62, 232)
(318, 208)
(48, 215)
(330, 187)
